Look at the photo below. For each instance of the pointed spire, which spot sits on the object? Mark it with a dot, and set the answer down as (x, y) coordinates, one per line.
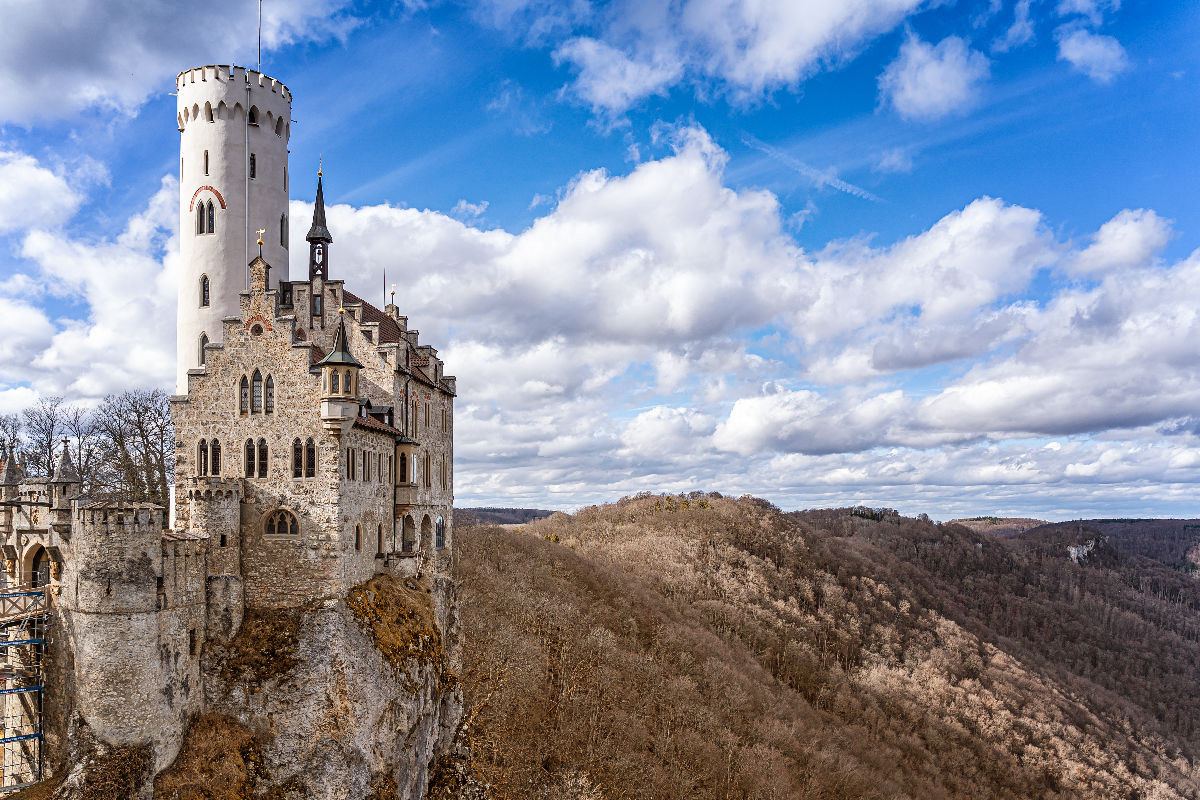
(318, 232)
(65, 471)
(340, 355)
(10, 472)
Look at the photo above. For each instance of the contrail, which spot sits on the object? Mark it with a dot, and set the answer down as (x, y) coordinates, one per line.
(815, 175)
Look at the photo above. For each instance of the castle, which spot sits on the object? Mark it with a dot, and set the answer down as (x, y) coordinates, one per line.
(314, 450)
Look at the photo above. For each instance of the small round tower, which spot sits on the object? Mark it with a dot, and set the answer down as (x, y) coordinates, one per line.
(234, 126)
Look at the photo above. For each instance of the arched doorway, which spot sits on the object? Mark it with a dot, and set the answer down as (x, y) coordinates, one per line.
(38, 567)
(408, 535)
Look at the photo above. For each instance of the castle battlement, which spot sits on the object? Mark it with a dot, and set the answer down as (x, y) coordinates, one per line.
(104, 518)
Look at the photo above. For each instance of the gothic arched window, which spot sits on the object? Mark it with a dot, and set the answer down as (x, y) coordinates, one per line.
(256, 395)
(297, 459)
(201, 218)
(310, 459)
(270, 398)
(333, 387)
(212, 218)
(262, 458)
(244, 396)
(248, 457)
(215, 459)
(282, 522)
(349, 389)
(403, 477)
(204, 291)
(202, 458)
(253, 117)
(203, 344)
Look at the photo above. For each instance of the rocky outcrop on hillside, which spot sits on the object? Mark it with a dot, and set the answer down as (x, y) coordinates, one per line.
(341, 700)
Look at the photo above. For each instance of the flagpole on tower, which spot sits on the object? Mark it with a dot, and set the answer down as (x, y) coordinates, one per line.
(260, 37)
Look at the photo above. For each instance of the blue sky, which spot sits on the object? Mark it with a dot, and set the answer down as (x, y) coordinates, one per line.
(934, 256)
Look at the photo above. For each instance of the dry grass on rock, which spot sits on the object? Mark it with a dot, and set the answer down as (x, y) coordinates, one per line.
(220, 760)
(398, 615)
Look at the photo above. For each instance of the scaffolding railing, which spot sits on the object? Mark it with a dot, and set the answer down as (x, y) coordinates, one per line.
(25, 625)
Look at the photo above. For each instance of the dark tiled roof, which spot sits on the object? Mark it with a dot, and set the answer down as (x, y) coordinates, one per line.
(389, 331)
(371, 424)
(340, 354)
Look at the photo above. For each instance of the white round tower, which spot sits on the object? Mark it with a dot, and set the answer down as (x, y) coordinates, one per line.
(234, 125)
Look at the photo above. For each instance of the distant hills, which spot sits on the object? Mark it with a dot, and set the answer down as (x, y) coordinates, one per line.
(707, 647)
(498, 516)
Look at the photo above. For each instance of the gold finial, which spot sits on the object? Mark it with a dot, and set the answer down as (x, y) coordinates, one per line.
(320, 165)
(393, 294)
(341, 310)
(260, 233)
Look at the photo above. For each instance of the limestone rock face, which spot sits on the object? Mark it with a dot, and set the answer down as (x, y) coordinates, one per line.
(346, 699)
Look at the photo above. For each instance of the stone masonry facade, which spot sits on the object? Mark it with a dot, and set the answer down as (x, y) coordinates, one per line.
(314, 451)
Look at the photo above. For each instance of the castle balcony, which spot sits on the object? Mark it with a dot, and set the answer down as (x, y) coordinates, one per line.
(406, 497)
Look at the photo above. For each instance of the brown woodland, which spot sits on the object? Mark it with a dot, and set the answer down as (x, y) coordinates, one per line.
(707, 647)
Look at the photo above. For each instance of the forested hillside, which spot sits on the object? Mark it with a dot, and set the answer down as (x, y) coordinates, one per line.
(706, 647)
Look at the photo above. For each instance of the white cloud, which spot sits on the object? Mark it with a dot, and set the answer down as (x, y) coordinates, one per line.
(128, 284)
(1099, 57)
(464, 210)
(1020, 32)
(1128, 240)
(610, 80)
(32, 195)
(894, 160)
(930, 81)
(649, 325)
(89, 54)
(633, 49)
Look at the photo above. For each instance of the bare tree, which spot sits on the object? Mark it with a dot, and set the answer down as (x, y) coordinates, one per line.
(139, 445)
(10, 432)
(87, 445)
(42, 430)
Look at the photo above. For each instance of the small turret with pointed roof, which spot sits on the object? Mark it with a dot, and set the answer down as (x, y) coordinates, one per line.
(339, 382)
(318, 237)
(65, 472)
(10, 471)
(340, 355)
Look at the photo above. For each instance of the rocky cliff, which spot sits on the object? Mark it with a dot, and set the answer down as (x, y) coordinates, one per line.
(340, 700)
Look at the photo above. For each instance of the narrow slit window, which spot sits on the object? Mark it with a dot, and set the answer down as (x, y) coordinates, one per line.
(203, 344)
(212, 219)
(249, 458)
(244, 396)
(205, 291)
(253, 166)
(262, 458)
(256, 398)
(297, 459)
(310, 459)
(269, 404)
(215, 460)
(205, 162)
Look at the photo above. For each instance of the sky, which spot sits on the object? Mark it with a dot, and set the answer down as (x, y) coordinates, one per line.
(934, 256)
